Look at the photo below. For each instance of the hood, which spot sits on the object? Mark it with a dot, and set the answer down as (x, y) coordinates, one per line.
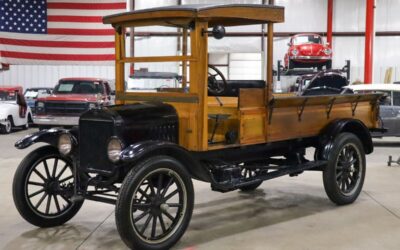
(139, 121)
(330, 79)
(311, 49)
(70, 97)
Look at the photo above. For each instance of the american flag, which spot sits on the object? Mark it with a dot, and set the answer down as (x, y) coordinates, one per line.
(57, 31)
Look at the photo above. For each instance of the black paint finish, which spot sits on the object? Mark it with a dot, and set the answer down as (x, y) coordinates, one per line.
(131, 123)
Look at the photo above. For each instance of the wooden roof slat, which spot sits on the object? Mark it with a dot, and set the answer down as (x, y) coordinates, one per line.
(228, 15)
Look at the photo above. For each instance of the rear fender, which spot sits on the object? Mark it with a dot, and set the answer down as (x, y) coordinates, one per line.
(331, 131)
(142, 150)
(49, 136)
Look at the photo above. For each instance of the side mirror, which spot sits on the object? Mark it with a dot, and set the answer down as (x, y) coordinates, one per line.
(289, 44)
(218, 32)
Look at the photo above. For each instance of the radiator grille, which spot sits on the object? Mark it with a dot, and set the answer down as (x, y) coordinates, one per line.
(93, 140)
(66, 108)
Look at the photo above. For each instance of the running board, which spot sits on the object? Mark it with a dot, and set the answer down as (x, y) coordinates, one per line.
(281, 171)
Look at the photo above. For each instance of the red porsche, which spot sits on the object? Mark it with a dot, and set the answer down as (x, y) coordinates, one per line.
(308, 50)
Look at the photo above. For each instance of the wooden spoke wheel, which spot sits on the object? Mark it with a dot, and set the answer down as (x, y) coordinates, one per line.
(155, 204)
(344, 175)
(43, 186)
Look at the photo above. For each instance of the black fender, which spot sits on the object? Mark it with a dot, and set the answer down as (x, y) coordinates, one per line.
(329, 133)
(137, 151)
(49, 136)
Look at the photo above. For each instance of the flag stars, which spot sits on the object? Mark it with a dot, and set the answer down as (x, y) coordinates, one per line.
(23, 16)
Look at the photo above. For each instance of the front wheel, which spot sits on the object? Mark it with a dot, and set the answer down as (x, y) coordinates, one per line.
(155, 204)
(43, 186)
(6, 128)
(345, 172)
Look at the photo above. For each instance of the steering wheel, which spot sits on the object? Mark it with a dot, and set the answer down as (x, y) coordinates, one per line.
(215, 86)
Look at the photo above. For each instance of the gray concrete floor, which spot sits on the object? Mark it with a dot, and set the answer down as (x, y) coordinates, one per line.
(285, 213)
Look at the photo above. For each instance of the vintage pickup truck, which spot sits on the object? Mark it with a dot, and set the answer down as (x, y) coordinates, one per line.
(143, 153)
(69, 99)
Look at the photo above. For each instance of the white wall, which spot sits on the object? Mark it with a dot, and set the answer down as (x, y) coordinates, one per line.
(300, 15)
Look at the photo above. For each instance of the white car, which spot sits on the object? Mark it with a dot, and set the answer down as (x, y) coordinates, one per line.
(13, 109)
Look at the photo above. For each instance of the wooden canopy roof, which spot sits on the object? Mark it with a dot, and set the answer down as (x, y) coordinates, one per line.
(215, 14)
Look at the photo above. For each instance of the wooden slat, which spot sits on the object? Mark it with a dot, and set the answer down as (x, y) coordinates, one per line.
(159, 97)
(281, 102)
(251, 98)
(119, 67)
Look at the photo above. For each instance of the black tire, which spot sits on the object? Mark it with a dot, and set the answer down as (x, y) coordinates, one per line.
(345, 172)
(328, 64)
(247, 173)
(291, 64)
(55, 184)
(134, 204)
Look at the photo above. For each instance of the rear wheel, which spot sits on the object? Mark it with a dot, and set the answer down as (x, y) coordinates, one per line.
(43, 186)
(345, 172)
(155, 204)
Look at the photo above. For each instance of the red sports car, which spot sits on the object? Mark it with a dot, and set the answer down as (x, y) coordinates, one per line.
(308, 50)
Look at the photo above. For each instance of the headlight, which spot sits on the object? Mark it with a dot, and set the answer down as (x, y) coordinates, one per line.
(92, 105)
(295, 52)
(40, 104)
(327, 51)
(65, 144)
(114, 149)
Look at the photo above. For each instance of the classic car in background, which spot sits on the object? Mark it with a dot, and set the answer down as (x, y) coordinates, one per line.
(389, 106)
(14, 111)
(325, 82)
(70, 98)
(31, 95)
(308, 50)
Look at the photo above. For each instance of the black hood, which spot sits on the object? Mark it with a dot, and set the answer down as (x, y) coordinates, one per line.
(139, 121)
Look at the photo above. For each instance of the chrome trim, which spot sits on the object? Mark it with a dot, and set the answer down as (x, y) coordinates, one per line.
(311, 57)
(56, 120)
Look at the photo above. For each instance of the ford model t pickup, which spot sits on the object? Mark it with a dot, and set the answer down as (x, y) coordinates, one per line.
(143, 153)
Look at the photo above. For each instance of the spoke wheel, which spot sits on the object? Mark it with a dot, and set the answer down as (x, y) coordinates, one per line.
(43, 186)
(249, 174)
(155, 204)
(344, 175)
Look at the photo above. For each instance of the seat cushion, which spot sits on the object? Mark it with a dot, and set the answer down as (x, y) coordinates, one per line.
(234, 86)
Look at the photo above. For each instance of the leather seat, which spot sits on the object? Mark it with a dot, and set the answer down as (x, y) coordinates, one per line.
(234, 86)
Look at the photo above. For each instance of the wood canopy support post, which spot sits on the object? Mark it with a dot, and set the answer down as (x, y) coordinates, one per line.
(270, 59)
(119, 64)
(184, 53)
(329, 28)
(198, 84)
(132, 39)
(369, 41)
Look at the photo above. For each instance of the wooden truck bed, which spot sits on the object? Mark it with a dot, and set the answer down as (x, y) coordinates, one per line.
(284, 118)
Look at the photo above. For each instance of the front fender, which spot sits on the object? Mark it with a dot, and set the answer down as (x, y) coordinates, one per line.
(141, 150)
(49, 136)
